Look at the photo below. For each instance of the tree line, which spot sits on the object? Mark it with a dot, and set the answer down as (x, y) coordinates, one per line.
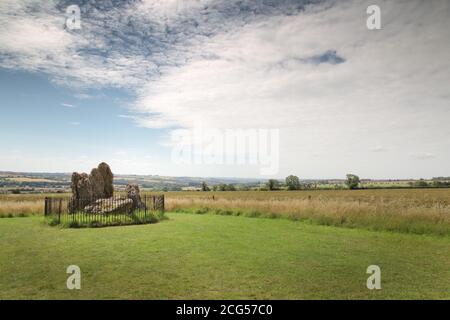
(352, 182)
(291, 182)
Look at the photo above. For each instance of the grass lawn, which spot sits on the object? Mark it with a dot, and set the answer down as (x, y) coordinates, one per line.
(219, 257)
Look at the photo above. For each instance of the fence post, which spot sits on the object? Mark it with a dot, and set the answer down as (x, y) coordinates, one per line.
(46, 207)
(59, 212)
(145, 206)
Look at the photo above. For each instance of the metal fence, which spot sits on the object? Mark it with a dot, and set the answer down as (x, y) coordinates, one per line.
(118, 210)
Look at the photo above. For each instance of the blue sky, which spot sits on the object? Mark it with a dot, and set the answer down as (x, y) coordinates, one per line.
(344, 98)
(43, 121)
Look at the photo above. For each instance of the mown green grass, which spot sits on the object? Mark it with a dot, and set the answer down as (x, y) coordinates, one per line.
(219, 257)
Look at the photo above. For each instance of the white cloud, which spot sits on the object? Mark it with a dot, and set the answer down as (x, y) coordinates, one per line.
(378, 149)
(68, 105)
(392, 88)
(249, 72)
(33, 37)
(423, 155)
(387, 74)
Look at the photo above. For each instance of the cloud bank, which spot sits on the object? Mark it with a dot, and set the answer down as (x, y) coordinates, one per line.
(309, 68)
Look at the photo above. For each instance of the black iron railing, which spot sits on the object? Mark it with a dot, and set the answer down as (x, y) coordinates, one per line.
(118, 210)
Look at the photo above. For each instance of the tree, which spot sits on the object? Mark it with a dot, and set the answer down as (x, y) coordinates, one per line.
(244, 188)
(226, 187)
(293, 183)
(272, 184)
(352, 181)
(421, 184)
(230, 187)
(205, 187)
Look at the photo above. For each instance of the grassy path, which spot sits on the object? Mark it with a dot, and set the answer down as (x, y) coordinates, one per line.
(219, 257)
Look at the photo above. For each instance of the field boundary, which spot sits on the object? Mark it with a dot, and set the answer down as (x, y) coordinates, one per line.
(402, 225)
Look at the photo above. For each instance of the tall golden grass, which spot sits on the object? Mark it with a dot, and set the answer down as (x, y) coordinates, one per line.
(21, 208)
(22, 205)
(417, 211)
(377, 213)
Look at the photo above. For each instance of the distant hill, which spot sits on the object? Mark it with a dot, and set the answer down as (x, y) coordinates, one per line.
(60, 182)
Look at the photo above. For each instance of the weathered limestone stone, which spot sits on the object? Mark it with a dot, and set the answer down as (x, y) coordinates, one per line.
(81, 191)
(108, 178)
(74, 184)
(133, 193)
(73, 205)
(97, 183)
(86, 188)
(107, 206)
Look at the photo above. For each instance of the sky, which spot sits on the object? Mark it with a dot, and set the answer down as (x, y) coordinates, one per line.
(133, 85)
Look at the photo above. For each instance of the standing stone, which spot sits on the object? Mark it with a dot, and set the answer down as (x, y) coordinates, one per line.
(81, 191)
(97, 184)
(74, 184)
(88, 188)
(108, 177)
(84, 187)
(74, 204)
(133, 193)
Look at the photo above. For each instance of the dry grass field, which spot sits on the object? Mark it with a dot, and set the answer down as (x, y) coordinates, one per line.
(22, 205)
(419, 211)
